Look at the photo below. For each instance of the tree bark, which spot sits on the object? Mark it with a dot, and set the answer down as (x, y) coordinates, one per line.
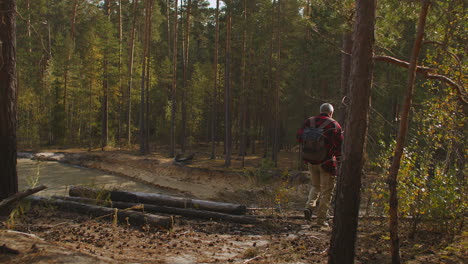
(227, 89)
(342, 246)
(276, 133)
(73, 20)
(121, 87)
(158, 199)
(215, 86)
(8, 99)
(174, 83)
(187, 212)
(403, 130)
(105, 87)
(185, 85)
(345, 71)
(148, 81)
(168, 27)
(243, 140)
(130, 75)
(143, 143)
(125, 217)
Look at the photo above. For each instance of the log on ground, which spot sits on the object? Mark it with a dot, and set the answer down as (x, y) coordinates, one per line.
(186, 212)
(7, 205)
(158, 199)
(124, 216)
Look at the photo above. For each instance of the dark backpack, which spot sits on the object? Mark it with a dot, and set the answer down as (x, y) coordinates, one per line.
(313, 141)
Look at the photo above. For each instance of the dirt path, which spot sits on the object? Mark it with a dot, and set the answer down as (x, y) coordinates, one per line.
(287, 238)
(190, 241)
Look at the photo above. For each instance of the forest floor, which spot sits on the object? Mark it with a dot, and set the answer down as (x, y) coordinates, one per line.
(60, 237)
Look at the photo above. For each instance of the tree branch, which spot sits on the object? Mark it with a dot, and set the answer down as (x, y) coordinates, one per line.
(404, 64)
(428, 74)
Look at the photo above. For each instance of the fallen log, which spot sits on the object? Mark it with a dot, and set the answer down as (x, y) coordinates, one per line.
(127, 216)
(187, 212)
(178, 158)
(157, 199)
(16, 197)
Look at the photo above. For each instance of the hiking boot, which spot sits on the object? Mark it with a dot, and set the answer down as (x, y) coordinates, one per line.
(308, 214)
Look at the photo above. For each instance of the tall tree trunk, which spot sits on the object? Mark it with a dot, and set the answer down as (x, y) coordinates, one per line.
(168, 27)
(345, 71)
(174, 82)
(276, 132)
(105, 87)
(227, 89)
(105, 108)
(90, 116)
(121, 88)
(185, 86)
(267, 126)
(148, 78)
(403, 130)
(215, 86)
(342, 246)
(8, 99)
(143, 149)
(243, 140)
(130, 73)
(73, 20)
(28, 7)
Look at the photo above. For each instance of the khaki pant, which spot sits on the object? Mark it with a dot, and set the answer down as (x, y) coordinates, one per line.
(322, 184)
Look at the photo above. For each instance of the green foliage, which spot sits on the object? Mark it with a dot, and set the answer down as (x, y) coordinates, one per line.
(431, 181)
(16, 213)
(263, 173)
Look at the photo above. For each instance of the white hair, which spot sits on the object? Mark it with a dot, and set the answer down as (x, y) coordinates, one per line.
(326, 108)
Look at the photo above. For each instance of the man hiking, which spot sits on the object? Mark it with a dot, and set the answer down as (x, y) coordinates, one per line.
(321, 138)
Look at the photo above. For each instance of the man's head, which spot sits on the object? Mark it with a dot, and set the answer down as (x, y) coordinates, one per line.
(327, 109)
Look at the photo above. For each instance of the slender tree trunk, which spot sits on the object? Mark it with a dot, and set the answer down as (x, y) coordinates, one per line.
(244, 89)
(73, 20)
(28, 7)
(121, 99)
(105, 87)
(143, 150)
(215, 87)
(130, 77)
(90, 116)
(400, 143)
(174, 83)
(276, 132)
(168, 28)
(8, 99)
(227, 90)
(105, 108)
(267, 126)
(148, 78)
(342, 246)
(185, 86)
(345, 71)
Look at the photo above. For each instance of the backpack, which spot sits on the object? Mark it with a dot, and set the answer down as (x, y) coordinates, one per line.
(313, 141)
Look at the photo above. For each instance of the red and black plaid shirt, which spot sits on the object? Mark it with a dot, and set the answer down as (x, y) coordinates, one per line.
(333, 140)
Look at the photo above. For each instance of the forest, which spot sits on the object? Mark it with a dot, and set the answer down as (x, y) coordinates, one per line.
(228, 83)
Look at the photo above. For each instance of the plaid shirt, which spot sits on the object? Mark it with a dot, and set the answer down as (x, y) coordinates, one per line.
(333, 140)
